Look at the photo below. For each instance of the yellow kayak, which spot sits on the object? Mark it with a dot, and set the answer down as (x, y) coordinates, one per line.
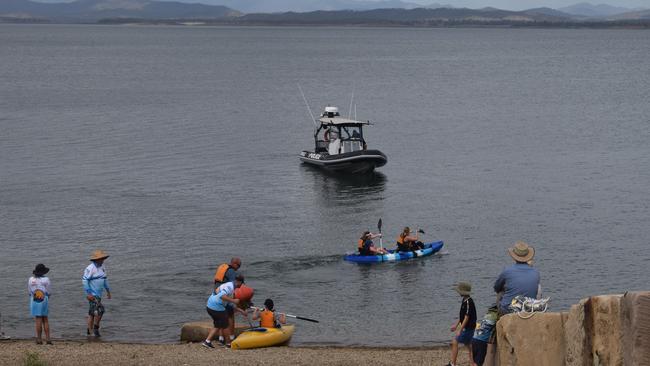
(263, 337)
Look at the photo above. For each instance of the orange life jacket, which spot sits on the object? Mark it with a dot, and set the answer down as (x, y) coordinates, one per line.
(400, 240)
(361, 242)
(267, 319)
(220, 275)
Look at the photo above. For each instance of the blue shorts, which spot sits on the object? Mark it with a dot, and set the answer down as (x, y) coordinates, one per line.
(465, 336)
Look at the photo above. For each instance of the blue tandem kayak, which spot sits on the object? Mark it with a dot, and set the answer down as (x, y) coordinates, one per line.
(393, 256)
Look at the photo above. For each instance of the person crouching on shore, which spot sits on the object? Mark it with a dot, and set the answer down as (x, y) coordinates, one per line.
(39, 293)
(216, 308)
(95, 282)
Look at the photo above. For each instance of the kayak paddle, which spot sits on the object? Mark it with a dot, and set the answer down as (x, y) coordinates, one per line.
(292, 316)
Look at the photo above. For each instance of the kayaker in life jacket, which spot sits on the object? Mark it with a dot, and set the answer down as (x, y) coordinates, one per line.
(367, 247)
(268, 318)
(227, 272)
(406, 242)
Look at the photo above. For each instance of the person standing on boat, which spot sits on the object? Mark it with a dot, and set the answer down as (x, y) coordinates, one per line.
(227, 272)
(519, 279)
(367, 247)
(406, 242)
(95, 282)
(39, 293)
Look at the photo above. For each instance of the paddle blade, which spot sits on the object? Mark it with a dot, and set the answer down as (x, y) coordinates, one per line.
(421, 231)
(379, 225)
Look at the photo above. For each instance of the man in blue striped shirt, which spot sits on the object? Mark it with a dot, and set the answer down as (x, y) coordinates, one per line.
(95, 282)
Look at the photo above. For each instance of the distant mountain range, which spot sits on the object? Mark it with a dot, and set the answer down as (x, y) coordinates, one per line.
(148, 11)
(594, 11)
(94, 10)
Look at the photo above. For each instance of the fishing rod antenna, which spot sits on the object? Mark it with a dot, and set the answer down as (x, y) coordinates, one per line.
(313, 119)
(354, 84)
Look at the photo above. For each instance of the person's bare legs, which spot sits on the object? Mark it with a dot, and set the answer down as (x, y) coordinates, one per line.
(213, 332)
(226, 335)
(98, 318)
(90, 322)
(231, 325)
(46, 328)
(454, 351)
(39, 329)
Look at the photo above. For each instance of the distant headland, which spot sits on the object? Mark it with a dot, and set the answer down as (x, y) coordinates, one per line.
(178, 13)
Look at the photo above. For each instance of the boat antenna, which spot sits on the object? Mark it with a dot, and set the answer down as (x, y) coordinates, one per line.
(351, 100)
(307, 104)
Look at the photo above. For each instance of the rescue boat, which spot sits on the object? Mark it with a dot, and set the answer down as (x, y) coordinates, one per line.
(394, 256)
(263, 337)
(340, 146)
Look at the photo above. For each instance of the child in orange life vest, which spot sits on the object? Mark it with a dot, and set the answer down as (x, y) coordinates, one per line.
(267, 317)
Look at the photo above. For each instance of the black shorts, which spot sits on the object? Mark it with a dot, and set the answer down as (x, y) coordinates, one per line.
(219, 318)
(230, 310)
(95, 308)
(479, 351)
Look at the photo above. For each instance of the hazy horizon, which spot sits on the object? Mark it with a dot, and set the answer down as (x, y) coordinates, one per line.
(473, 4)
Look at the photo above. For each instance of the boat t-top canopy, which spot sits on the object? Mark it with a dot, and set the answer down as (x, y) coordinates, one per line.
(341, 121)
(331, 116)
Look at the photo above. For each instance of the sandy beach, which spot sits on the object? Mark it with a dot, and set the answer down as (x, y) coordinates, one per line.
(15, 352)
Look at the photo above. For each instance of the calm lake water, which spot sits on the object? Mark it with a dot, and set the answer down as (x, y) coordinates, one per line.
(175, 148)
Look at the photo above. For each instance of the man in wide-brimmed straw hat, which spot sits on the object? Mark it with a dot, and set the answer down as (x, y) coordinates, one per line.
(95, 282)
(518, 279)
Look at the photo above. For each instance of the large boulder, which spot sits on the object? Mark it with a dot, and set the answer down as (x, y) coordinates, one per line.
(198, 331)
(635, 321)
(538, 340)
(575, 337)
(603, 319)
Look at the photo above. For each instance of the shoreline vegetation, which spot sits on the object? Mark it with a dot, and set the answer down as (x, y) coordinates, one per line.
(68, 352)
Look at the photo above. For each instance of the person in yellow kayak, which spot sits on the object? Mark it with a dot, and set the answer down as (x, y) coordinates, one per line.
(268, 318)
(406, 242)
(367, 247)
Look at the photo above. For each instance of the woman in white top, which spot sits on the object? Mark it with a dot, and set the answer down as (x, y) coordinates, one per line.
(39, 294)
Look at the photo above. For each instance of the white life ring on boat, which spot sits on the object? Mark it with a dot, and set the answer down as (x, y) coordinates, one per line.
(330, 135)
